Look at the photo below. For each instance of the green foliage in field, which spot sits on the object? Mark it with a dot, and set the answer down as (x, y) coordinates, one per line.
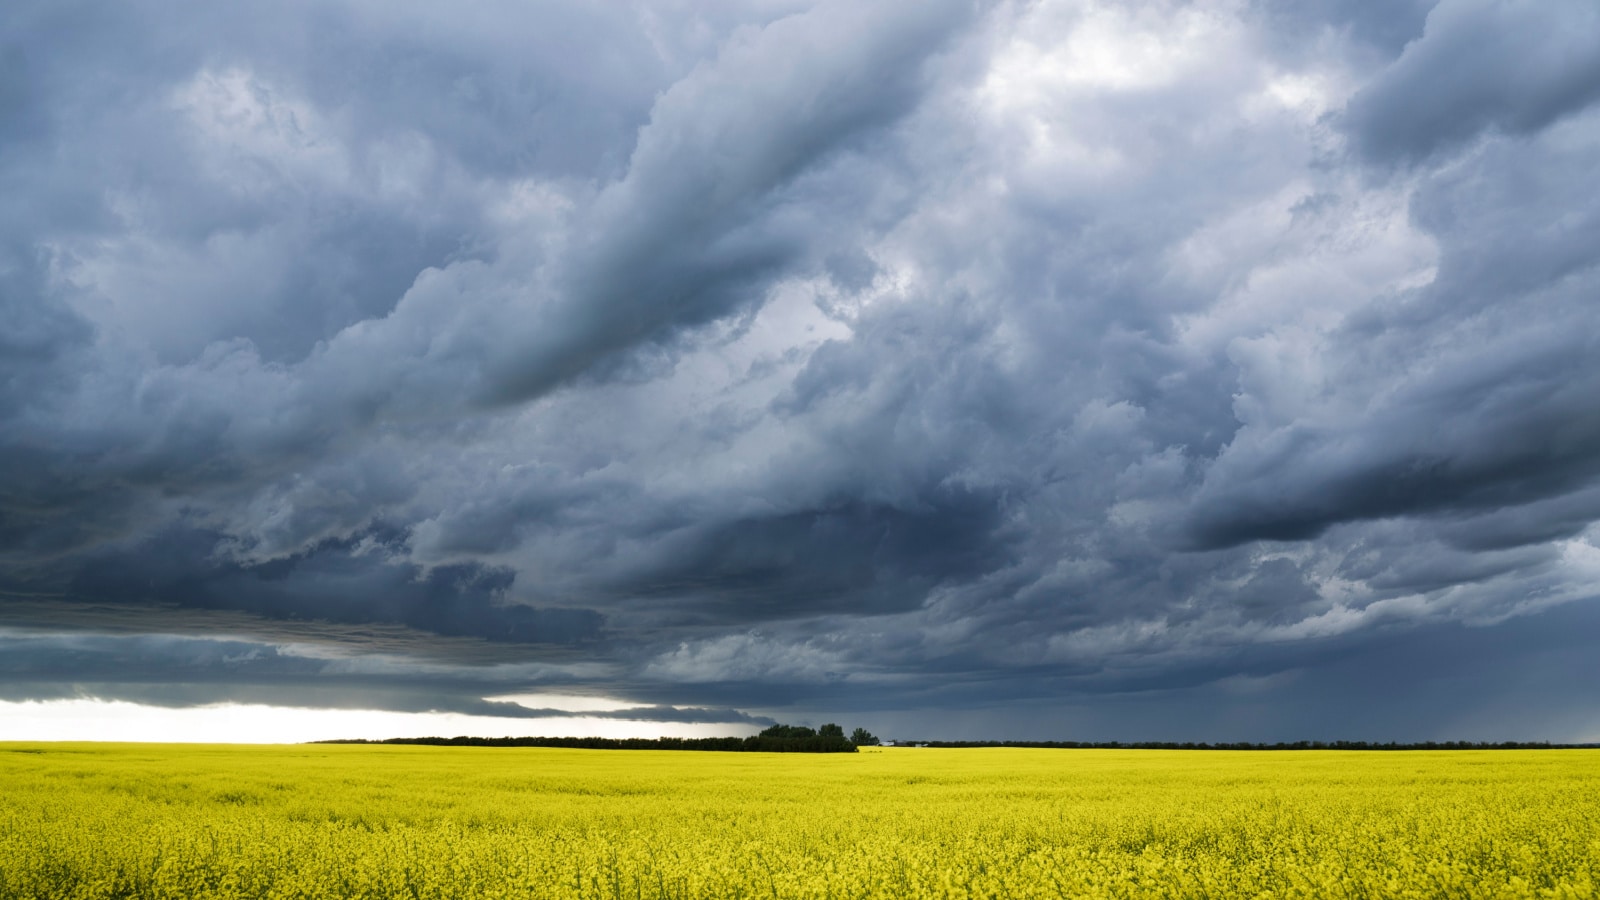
(432, 822)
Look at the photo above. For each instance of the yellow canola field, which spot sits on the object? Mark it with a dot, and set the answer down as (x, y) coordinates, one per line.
(88, 820)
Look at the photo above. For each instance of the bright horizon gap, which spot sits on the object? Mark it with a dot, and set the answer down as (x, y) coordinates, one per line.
(83, 719)
(574, 703)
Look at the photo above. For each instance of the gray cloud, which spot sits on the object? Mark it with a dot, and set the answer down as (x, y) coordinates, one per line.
(328, 583)
(749, 360)
(1385, 26)
(687, 235)
(1480, 64)
(1468, 395)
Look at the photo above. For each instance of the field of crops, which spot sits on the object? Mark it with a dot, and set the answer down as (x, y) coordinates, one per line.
(83, 820)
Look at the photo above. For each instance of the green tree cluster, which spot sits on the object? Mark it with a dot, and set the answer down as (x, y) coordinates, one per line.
(863, 738)
(800, 739)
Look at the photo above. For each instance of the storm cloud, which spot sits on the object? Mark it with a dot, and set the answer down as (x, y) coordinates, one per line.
(1076, 370)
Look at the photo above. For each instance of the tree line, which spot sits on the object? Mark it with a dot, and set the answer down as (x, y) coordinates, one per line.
(829, 738)
(1242, 745)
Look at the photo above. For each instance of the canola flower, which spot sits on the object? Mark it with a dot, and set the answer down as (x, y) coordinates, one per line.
(137, 821)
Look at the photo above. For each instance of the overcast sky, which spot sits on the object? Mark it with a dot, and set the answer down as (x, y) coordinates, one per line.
(1063, 370)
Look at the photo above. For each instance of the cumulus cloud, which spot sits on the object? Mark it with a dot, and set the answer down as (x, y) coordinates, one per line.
(752, 357)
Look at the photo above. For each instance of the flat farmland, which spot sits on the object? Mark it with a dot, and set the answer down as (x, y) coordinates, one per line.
(185, 821)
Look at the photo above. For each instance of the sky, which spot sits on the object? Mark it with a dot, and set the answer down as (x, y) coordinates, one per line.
(1070, 370)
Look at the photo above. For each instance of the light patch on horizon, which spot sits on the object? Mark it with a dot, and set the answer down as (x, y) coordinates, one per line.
(574, 703)
(231, 723)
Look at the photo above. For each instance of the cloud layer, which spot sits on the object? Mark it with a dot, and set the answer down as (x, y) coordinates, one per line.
(1079, 363)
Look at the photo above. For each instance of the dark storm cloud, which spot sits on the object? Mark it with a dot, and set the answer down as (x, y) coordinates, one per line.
(1387, 26)
(687, 235)
(1485, 440)
(1475, 389)
(1480, 65)
(796, 357)
(1533, 523)
(850, 558)
(328, 583)
(1516, 682)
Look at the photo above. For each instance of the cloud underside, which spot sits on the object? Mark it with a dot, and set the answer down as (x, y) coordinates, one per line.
(777, 356)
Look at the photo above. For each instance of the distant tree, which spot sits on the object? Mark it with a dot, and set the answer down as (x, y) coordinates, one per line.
(863, 738)
(800, 739)
(790, 732)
